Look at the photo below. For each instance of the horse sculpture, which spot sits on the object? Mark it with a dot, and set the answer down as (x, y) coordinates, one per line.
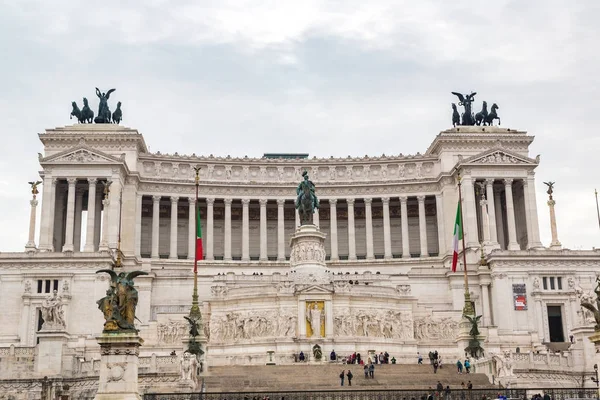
(87, 115)
(481, 115)
(455, 115)
(489, 120)
(76, 112)
(305, 210)
(118, 114)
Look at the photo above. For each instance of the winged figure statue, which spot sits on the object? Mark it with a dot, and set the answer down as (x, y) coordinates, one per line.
(466, 100)
(104, 115)
(550, 187)
(474, 328)
(118, 306)
(34, 187)
(194, 326)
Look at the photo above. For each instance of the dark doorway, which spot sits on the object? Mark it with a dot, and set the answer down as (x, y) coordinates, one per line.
(555, 324)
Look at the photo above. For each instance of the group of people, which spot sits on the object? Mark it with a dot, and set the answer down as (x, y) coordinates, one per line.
(444, 393)
(466, 365)
(355, 358)
(348, 375)
(435, 359)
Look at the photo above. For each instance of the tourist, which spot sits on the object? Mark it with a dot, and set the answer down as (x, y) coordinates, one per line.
(439, 388)
(546, 396)
(349, 375)
(301, 356)
(332, 355)
(462, 391)
(439, 360)
(469, 385)
(435, 366)
(459, 366)
(447, 392)
(366, 369)
(419, 358)
(342, 378)
(467, 366)
(358, 359)
(386, 357)
(393, 360)
(431, 357)
(372, 371)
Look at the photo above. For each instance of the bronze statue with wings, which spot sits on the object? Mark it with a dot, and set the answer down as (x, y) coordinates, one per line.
(194, 326)
(550, 188)
(104, 115)
(466, 100)
(474, 328)
(34, 187)
(118, 306)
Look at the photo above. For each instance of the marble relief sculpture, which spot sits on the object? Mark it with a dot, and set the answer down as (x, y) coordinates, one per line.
(53, 313)
(245, 325)
(315, 317)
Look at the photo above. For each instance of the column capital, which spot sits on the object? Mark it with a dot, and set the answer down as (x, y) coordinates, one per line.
(385, 200)
(174, 199)
(403, 199)
(439, 196)
(245, 202)
(350, 202)
(33, 203)
(332, 202)
(54, 181)
(489, 181)
(210, 201)
(156, 198)
(92, 181)
(421, 198)
(368, 200)
(508, 181)
(139, 195)
(228, 201)
(280, 202)
(263, 202)
(192, 200)
(72, 181)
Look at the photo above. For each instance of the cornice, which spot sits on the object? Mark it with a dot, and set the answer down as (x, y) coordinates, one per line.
(100, 135)
(477, 137)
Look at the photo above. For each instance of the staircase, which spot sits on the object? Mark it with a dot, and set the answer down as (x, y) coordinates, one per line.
(325, 376)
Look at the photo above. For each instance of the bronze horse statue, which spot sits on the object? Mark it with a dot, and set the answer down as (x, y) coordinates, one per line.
(489, 120)
(87, 115)
(455, 115)
(117, 116)
(76, 112)
(481, 115)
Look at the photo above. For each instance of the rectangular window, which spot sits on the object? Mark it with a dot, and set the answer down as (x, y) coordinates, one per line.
(551, 283)
(545, 281)
(40, 286)
(56, 285)
(559, 283)
(47, 289)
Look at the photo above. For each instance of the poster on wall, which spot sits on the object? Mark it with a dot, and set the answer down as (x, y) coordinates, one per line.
(520, 296)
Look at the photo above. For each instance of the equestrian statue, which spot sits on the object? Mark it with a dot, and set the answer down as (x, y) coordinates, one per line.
(86, 115)
(306, 202)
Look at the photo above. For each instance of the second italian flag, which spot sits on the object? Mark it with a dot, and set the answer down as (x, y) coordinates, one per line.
(199, 249)
(458, 235)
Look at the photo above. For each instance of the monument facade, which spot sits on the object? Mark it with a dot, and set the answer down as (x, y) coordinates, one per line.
(364, 266)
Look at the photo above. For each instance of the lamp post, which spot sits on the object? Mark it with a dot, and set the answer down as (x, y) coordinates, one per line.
(595, 380)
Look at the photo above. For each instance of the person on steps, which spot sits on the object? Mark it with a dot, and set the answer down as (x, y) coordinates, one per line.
(349, 375)
(342, 378)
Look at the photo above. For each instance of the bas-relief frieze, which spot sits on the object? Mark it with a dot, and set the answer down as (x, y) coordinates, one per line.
(245, 325)
(428, 328)
(389, 324)
(220, 172)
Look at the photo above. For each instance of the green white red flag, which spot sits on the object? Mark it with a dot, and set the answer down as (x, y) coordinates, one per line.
(199, 249)
(458, 235)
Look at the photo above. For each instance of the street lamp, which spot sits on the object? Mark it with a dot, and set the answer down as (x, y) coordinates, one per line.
(595, 380)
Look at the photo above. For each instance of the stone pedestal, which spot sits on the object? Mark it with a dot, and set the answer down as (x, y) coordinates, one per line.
(50, 352)
(118, 366)
(307, 256)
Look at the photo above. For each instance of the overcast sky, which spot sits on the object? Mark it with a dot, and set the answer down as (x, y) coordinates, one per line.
(350, 77)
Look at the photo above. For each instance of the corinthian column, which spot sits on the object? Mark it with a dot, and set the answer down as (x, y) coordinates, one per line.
(30, 246)
(173, 242)
(422, 226)
(439, 208)
(155, 225)
(404, 221)
(245, 230)
(191, 253)
(491, 207)
(263, 229)
(227, 243)
(210, 214)
(105, 218)
(369, 227)
(138, 225)
(77, 220)
(333, 229)
(68, 247)
(90, 240)
(470, 213)
(531, 210)
(280, 230)
(387, 236)
(351, 233)
(510, 216)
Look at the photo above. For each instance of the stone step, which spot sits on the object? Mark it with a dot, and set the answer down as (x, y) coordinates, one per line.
(325, 376)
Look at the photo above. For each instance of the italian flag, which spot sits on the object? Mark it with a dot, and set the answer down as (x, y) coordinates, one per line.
(199, 249)
(458, 235)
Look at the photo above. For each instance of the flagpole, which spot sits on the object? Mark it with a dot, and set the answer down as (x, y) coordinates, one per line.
(195, 310)
(468, 308)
